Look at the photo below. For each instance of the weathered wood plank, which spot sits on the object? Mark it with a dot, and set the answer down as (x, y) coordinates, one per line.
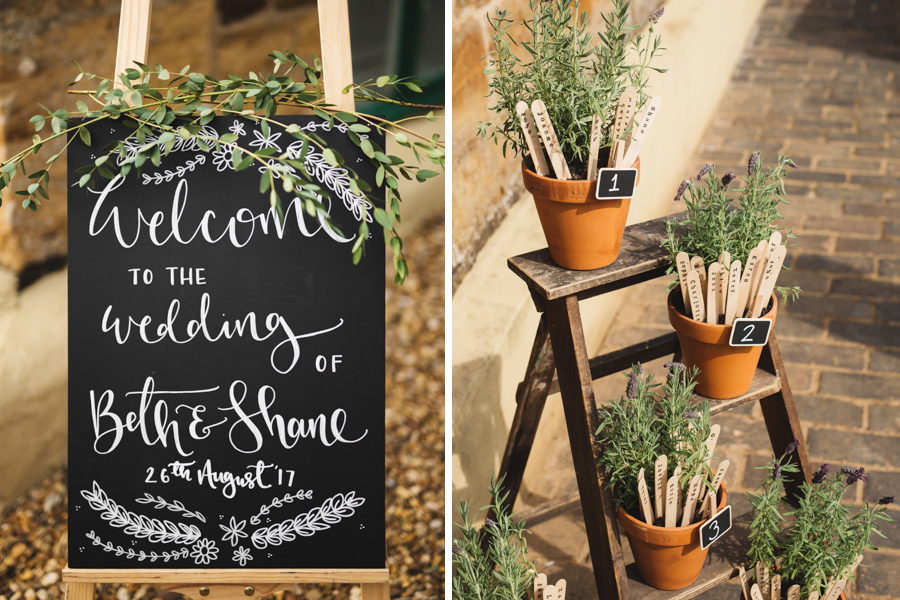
(567, 338)
(237, 576)
(640, 259)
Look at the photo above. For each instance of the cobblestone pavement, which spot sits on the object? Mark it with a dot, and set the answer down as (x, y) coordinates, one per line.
(818, 81)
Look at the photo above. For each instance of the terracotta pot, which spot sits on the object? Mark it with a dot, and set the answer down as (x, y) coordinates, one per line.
(668, 558)
(582, 232)
(725, 371)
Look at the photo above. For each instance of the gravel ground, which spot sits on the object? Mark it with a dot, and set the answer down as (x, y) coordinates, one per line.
(33, 532)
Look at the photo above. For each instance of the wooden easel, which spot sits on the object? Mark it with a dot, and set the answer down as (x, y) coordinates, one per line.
(234, 584)
(559, 346)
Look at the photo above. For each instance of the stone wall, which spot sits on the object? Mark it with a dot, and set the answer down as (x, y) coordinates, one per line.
(484, 183)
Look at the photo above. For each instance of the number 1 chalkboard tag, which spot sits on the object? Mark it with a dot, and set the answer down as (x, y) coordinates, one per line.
(615, 184)
(715, 528)
(750, 332)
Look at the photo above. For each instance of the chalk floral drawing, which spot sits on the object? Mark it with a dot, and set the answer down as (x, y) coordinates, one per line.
(139, 555)
(332, 511)
(278, 503)
(176, 506)
(132, 146)
(265, 141)
(142, 527)
(336, 178)
(242, 556)
(222, 159)
(168, 175)
(237, 128)
(234, 531)
(204, 551)
(276, 168)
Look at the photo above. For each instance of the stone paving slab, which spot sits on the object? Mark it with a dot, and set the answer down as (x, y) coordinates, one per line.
(819, 81)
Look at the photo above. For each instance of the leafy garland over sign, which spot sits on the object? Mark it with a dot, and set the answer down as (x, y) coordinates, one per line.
(204, 550)
(171, 112)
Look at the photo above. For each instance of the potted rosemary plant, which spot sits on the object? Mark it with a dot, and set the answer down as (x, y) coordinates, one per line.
(166, 110)
(727, 259)
(657, 438)
(813, 556)
(581, 98)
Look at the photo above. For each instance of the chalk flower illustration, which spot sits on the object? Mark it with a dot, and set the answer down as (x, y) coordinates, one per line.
(242, 556)
(265, 141)
(237, 128)
(204, 551)
(222, 158)
(234, 531)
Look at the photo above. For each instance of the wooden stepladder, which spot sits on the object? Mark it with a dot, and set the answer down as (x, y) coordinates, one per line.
(233, 584)
(559, 346)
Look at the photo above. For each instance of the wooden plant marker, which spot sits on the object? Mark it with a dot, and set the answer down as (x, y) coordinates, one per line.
(767, 284)
(624, 116)
(532, 139)
(551, 143)
(593, 155)
(561, 589)
(813, 595)
(696, 296)
(540, 583)
(697, 265)
(747, 282)
(758, 272)
(711, 504)
(660, 471)
(776, 588)
(646, 509)
(711, 442)
(725, 260)
(678, 497)
(721, 291)
(762, 578)
(774, 242)
(671, 502)
(712, 294)
(233, 583)
(848, 572)
(793, 592)
(683, 266)
(755, 594)
(834, 589)
(691, 503)
(551, 593)
(720, 475)
(742, 574)
(734, 290)
(639, 135)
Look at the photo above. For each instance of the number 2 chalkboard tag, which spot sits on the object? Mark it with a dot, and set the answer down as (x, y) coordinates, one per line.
(614, 184)
(715, 527)
(750, 332)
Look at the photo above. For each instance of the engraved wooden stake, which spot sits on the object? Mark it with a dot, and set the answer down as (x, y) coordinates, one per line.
(813, 595)
(755, 594)
(639, 135)
(561, 589)
(712, 294)
(596, 129)
(734, 288)
(746, 282)
(671, 502)
(793, 592)
(711, 441)
(776, 588)
(770, 276)
(678, 497)
(721, 291)
(532, 140)
(691, 503)
(725, 260)
(696, 296)
(550, 593)
(624, 116)
(645, 498)
(774, 243)
(540, 582)
(683, 264)
(659, 482)
(762, 578)
(742, 573)
(720, 475)
(712, 504)
(758, 272)
(697, 265)
(545, 128)
(834, 590)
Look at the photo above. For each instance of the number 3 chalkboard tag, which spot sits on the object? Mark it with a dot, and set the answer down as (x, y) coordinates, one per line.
(613, 184)
(715, 527)
(750, 332)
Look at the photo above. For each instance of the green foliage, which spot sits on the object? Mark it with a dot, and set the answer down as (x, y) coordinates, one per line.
(823, 539)
(158, 105)
(714, 224)
(502, 572)
(574, 77)
(644, 424)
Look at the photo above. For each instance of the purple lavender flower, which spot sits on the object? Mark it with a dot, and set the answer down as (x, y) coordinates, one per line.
(691, 415)
(792, 164)
(681, 189)
(728, 178)
(488, 522)
(457, 551)
(706, 169)
(789, 449)
(819, 476)
(854, 475)
(752, 165)
(776, 475)
(640, 367)
(886, 500)
(674, 366)
(656, 14)
(631, 389)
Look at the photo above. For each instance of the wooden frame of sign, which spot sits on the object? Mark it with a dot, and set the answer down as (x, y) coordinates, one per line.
(219, 583)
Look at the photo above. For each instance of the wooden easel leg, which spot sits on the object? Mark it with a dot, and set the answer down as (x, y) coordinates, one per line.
(79, 591)
(574, 374)
(531, 397)
(376, 591)
(781, 418)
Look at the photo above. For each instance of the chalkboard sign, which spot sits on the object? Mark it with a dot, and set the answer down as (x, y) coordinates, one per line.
(226, 368)
(750, 332)
(613, 184)
(715, 527)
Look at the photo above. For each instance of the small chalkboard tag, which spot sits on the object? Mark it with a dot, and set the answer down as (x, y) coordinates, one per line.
(715, 527)
(750, 332)
(614, 184)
